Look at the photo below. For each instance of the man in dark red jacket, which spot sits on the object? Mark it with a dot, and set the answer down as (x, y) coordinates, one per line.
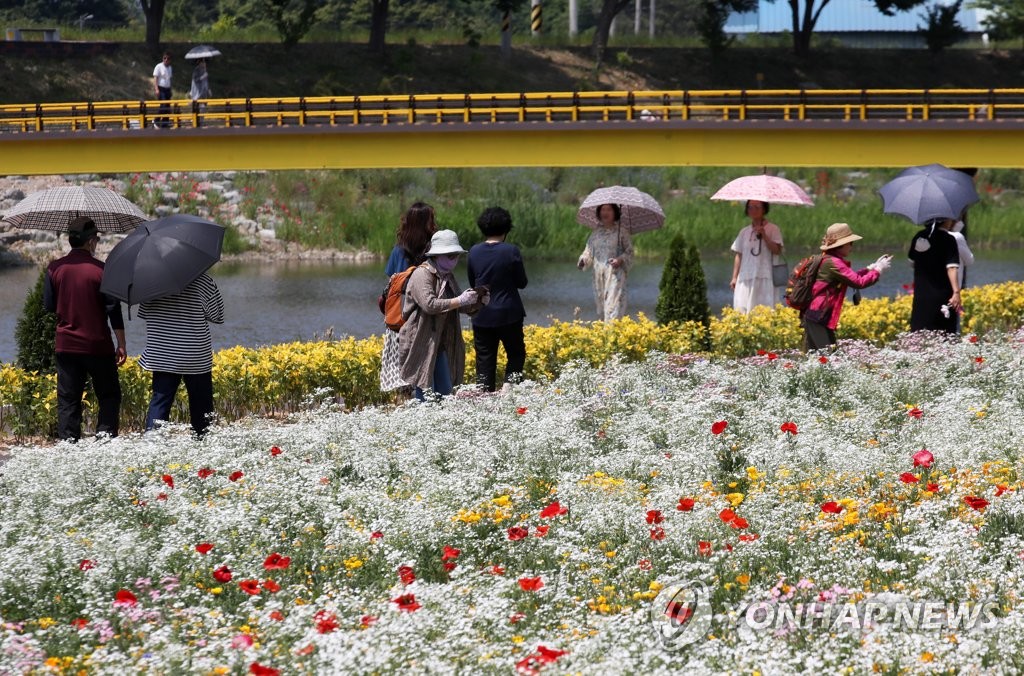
(84, 348)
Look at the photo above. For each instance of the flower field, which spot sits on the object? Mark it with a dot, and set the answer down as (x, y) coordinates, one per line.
(291, 377)
(532, 531)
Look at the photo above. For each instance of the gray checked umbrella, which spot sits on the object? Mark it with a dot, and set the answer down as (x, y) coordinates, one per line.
(639, 211)
(161, 258)
(925, 193)
(55, 208)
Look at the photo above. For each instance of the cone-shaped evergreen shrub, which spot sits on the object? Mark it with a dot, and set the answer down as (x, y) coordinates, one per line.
(36, 332)
(683, 291)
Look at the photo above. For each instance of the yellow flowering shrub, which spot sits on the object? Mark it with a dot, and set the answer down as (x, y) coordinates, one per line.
(287, 377)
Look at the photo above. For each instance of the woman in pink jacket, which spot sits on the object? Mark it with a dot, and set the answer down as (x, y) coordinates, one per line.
(834, 276)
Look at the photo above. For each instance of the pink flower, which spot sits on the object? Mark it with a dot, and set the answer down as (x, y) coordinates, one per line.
(923, 458)
(241, 642)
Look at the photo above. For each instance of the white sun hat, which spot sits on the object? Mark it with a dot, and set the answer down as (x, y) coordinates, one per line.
(445, 242)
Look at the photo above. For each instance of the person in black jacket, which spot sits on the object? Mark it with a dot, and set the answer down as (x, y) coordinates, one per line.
(498, 266)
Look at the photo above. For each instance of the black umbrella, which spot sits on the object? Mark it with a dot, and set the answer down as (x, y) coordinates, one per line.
(161, 258)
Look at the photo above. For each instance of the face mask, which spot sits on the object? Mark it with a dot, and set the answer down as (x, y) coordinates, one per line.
(445, 264)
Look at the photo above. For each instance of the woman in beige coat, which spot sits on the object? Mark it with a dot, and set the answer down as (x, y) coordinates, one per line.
(430, 346)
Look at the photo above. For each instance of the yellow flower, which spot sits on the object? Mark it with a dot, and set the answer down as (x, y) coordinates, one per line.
(46, 622)
(502, 501)
(735, 499)
(353, 562)
(743, 579)
(217, 590)
(518, 639)
(927, 657)
(753, 474)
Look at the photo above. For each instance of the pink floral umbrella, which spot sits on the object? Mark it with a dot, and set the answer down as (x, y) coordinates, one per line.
(764, 188)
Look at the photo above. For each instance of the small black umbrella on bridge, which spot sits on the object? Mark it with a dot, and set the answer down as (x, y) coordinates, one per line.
(161, 258)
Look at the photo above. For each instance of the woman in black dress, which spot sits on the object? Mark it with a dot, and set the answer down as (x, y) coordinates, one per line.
(934, 255)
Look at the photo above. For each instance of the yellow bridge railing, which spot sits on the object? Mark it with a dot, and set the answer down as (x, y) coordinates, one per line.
(677, 105)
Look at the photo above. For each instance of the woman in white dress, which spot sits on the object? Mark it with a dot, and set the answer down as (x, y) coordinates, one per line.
(609, 250)
(755, 247)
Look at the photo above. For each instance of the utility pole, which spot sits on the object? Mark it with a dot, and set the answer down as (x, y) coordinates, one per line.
(536, 18)
(574, 24)
(650, 21)
(639, 10)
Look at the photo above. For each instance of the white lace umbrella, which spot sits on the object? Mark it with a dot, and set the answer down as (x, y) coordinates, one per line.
(640, 211)
(764, 188)
(55, 208)
(202, 52)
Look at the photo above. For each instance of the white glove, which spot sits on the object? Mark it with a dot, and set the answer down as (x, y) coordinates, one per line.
(882, 264)
(467, 297)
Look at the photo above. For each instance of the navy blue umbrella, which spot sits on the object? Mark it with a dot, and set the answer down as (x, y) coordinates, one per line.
(928, 192)
(161, 258)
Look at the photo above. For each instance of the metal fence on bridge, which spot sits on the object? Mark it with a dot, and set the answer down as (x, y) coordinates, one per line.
(645, 106)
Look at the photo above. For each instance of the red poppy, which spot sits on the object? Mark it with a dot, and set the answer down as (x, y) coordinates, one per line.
(719, 427)
(79, 623)
(933, 488)
(222, 574)
(975, 502)
(541, 531)
(979, 360)
(236, 475)
(407, 603)
(654, 516)
(915, 413)
(516, 617)
(168, 479)
(495, 570)
(685, 504)
(449, 566)
(1001, 488)
(277, 562)
(644, 564)
(549, 655)
(250, 587)
(908, 478)
(823, 359)
(761, 353)
(521, 410)
(123, 597)
(308, 650)
(274, 450)
(406, 575)
(704, 548)
(326, 622)
(788, 427)
(271, 586)
(553, 510)
(276, 616)
(658, 533)
(450, 553)
(749, 537)
(973, 339)
(161, 497)
(86, 564)
(376, 535)
(727, 515)
(204, 548)
(923, 458)
(257, 669)
(831, 507)
(206, 473)
(366, 621)
(739, 523)
(531, 584)
(772, 356)
(518, 532)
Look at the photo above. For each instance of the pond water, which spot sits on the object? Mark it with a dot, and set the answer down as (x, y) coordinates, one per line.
(282, 302)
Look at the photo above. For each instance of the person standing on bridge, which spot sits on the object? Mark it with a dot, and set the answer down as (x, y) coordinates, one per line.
(71, 288)
(162, 87)
(610, 250)
(754, 249)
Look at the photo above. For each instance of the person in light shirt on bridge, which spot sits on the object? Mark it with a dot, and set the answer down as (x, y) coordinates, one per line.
(755, 247)
(162, 87)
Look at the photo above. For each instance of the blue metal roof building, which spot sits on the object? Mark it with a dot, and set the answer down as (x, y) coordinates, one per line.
(844, 17)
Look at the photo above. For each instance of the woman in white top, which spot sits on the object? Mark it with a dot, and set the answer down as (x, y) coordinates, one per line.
(752, 268)
(966, 255)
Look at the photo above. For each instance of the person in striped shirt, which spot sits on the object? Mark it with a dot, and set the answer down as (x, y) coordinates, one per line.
(179, 347)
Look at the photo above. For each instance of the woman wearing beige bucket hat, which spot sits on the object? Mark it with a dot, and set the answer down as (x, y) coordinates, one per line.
(834, 276)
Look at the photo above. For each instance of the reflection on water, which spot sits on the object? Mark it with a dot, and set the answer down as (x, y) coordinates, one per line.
(274, 303)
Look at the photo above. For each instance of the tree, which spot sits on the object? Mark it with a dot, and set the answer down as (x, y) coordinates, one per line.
(1004, 18)
(609, 10)
(378, 25)
(805, 19)
(292, 18)
(712, 17)
(36, 332)
(683, 291)
(154, 11)
(942, 29)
